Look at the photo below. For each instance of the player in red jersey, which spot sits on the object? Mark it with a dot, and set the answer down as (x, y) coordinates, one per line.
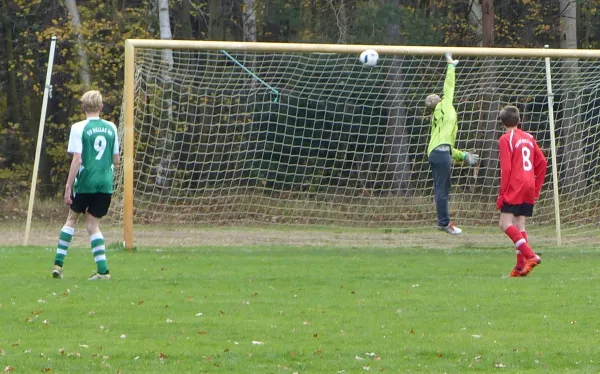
(523, 169)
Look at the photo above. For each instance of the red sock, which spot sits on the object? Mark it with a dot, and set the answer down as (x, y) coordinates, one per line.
(515, 235)
(520, 257)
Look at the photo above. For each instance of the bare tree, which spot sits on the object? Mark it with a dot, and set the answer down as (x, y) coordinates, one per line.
(84, 66)
(340, 10)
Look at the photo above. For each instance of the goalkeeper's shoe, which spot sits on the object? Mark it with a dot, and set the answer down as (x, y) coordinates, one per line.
(516, 272)
(57, 272)
(98, 276)
(450, 229)
(530, 264)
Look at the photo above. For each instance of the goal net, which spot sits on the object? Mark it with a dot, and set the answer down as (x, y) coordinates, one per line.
(231, 137)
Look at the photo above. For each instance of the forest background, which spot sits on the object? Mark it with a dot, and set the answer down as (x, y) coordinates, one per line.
(91, 36)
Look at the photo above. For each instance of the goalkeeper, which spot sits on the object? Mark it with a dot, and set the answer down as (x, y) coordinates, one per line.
(441, 149)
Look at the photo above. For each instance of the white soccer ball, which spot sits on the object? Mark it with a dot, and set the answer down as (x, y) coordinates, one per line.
(369, 57)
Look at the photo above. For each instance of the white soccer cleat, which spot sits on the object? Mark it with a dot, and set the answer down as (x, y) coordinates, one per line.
(450, 229)
(57, 272)
(98, 276)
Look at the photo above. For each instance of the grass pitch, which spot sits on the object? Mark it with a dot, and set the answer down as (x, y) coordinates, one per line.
(282, 309)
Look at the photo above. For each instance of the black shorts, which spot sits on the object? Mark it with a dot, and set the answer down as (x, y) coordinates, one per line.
(96, 204)
(524, 209)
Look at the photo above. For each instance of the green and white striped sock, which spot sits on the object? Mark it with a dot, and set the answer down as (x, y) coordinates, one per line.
(64, 239)
(98, 250)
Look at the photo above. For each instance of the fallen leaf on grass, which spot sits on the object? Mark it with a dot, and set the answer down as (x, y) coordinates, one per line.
(9, 369)
(256, 342)
(162, 356)
(499, 366)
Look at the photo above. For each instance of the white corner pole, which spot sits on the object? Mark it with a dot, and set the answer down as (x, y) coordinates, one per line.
(38, 150)
(553, 151)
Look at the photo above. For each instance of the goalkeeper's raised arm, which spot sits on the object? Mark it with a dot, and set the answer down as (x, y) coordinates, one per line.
(441, 151)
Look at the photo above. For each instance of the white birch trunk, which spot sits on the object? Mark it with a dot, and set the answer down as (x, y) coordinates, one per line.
(476, 19)
(162, 178)
(250, 30)
(84, 66)
(568, 24)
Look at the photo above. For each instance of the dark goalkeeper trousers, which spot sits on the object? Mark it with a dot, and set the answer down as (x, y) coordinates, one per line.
(441, 163)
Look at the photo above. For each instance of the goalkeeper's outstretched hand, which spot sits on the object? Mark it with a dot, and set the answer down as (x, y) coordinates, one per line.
(471, 159)
(449, 59)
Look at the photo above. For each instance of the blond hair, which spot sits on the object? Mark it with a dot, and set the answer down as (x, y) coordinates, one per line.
(432, 100)
(91, 101)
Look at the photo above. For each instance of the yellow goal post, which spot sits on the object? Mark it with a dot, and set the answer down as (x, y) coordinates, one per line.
(132, 46)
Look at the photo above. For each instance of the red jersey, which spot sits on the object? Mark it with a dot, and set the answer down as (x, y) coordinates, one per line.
(523, 168)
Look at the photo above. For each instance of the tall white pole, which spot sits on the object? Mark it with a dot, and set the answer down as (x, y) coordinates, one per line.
(36, 163)
(553, 151)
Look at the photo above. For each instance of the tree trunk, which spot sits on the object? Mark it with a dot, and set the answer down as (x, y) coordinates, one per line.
(342, 12)
(84, 67)
(397, 138)
(393, 29)
(569, 125)
(476, 19)
(249, 22)
(487, 8)
(13, 112)
(185, 19)
(163, 173)
(568, 24)
(216, 26)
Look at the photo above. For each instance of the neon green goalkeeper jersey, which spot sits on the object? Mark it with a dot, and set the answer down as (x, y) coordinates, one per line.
(444, 123)
(97, 141)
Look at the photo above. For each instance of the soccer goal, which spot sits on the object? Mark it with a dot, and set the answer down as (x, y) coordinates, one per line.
(304, 135)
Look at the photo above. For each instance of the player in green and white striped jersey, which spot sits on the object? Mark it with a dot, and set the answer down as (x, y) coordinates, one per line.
(94, 144)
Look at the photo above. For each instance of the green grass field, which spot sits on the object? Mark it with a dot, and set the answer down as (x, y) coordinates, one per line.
(283, 309)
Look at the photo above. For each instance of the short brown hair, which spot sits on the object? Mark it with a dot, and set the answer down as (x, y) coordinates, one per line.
(510, 116)
(91, 101)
